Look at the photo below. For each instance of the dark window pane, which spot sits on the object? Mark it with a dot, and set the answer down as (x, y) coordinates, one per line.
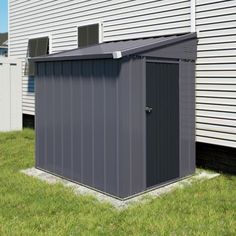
(82, 36)
(42, 46)
(36, 47)
(93, 37)
(88, 35)
(31, 68)
(32, 45)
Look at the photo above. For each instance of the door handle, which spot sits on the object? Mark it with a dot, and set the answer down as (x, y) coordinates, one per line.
(148, 109)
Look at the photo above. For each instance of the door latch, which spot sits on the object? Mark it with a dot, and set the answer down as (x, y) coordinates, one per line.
(148, 109)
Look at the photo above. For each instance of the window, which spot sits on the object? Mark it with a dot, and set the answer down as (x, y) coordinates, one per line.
(88, 35)
(36, 47)
(31, 84)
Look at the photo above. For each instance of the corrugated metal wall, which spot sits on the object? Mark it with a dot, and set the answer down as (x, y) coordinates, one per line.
(187, 117)
(78, 108)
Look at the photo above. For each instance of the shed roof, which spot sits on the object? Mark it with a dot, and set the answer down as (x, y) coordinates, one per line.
(116, 49)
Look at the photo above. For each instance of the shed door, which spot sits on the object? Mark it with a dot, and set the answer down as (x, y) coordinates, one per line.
(162, 111)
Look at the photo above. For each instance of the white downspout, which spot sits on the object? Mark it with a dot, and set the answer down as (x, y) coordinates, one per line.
(193, 15)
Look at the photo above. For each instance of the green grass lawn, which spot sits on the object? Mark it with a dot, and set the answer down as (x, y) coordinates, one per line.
(31, 207)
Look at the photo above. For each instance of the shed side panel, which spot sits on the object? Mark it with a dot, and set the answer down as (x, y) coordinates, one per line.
(87, 128)
(131, 127)
(187, 117)
(49, 116)
(111, 135)
(66, 120)
(57, 90)
(77, 121)
(124, 129)
(39, 126)
(138, 125)
(90, 123)
(99, 124)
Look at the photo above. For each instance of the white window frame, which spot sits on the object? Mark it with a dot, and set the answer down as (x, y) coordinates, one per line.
(87, 23)
(193, 15)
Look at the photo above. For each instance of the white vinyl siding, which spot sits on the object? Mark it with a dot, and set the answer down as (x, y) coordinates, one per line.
(127, 19)
(216, 72)
(121, 19)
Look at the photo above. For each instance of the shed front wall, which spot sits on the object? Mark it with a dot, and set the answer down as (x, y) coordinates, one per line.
(187, 152)
(90, 123)
(178, 53)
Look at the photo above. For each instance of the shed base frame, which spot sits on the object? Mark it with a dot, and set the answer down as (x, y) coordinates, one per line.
(118, 203)
(147, 190)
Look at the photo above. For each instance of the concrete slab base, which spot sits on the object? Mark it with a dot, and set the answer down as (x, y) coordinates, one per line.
(119, 204)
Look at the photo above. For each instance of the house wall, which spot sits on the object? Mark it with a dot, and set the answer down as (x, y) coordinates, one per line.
(124, 19)
(216, 72)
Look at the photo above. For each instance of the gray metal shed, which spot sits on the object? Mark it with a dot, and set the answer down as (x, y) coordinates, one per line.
(119, 116)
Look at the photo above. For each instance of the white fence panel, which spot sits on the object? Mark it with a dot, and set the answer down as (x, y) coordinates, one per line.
(10, 94)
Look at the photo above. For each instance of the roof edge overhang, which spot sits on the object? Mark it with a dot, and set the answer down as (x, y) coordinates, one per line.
(71, 58)
(118, 54)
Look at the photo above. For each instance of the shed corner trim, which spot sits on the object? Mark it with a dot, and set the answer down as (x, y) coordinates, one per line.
(117, 55)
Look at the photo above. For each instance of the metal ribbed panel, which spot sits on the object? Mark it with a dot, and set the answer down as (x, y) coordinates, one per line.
(90, 123)
(125, 48)
(187, 118)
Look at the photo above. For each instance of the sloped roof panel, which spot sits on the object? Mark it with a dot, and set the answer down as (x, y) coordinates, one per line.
(116, 49)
